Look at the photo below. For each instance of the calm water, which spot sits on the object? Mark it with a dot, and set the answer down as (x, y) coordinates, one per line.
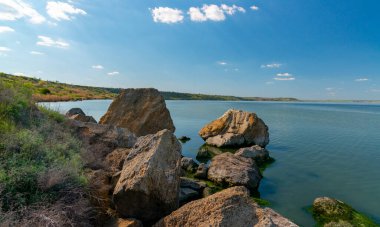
(320, 149)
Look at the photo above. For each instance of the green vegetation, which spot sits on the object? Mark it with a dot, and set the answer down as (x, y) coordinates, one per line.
(261, 202)
(40, 163)
(48, 91)
(333, 212)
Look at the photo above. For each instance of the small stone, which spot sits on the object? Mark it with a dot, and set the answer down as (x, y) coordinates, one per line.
(201, 172)
(188, 164)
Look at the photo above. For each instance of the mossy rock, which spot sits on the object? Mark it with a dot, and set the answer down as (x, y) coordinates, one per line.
(331, 212)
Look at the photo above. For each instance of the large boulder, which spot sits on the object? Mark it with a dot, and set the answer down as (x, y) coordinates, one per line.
(101, 140)
(236, 128)
(234, 170)
(148, 186)
(143, 111)
(230, 207)
(257, 153)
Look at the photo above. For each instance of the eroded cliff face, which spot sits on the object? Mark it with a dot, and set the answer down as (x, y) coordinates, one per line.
(143, 111)
(236, 128)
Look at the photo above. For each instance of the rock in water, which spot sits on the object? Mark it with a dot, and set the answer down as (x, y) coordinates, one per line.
(75, 111)
(234, 170)
(143, 111)
(329, 212)
(78, 115)
(236, 128)
(148, 187)
(230, 207)
(257, 153)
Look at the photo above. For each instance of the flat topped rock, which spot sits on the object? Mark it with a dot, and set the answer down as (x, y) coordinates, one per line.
(236, 128)
(230, 207)
(234, 170)
(143, 111)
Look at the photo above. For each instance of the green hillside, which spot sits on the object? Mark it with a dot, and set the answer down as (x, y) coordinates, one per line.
(49, 91)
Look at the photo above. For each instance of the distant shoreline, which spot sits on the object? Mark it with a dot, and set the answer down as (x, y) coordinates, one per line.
(49, 91)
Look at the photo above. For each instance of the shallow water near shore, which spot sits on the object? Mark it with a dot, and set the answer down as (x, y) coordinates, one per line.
(321, 149)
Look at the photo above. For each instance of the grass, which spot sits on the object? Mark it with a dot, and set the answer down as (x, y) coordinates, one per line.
(41, 174)
(53, 91)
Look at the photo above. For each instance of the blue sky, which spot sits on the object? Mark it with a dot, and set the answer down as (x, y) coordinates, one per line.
(308, 49)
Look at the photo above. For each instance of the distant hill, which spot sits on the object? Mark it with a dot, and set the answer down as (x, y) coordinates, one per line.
(50, 91)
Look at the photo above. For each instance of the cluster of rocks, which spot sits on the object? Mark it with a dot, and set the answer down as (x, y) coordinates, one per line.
(137, 174)
(235, 167)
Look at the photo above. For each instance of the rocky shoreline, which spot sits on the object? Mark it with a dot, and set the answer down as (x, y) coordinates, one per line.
(138, 176)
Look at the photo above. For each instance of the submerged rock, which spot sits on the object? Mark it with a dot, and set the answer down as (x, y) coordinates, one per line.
(234, 170)
(184, 139)
(236, 128)
(206, 152)
(143, 111)
(331, 212)
(257, 153)
(230, 207)
(148, 187)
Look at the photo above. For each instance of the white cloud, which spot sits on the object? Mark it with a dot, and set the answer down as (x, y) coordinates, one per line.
(231, 10)
(16, 9)
(375, 90)
(361, 80)
(167, 15)
(269, 82)
(6, 29)
(99, 67)
(49, 42)
(4, 49)
(273, 65)
(113, 73)
(196, 14)
(255, 8)
(284, 79)
(284, 74)
(36, 53)
(62, 10)
(222, 63)
(213, 12)
(19, 74)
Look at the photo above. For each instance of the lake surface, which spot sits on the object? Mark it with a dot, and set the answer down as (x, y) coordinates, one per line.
(321, 149)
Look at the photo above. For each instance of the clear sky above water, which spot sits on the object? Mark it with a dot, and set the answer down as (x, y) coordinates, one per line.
(308, 49)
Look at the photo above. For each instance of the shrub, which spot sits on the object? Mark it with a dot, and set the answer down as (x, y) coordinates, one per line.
(41, 177)
(44, 91)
